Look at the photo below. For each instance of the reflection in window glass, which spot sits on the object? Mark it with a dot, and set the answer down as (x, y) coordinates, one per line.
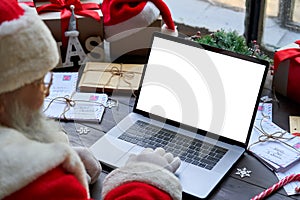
(278, 30)
(272, 8)
(209, 15)
(233, 4)
(295, 11)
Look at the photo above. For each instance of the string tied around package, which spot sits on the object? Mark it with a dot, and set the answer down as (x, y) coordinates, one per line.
(277, 136)
(126, 76)
(72, 103)
(69, 103)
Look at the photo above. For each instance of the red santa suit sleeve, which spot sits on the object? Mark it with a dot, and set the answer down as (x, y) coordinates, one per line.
(137, 190)
(55, 184)
(143, 181)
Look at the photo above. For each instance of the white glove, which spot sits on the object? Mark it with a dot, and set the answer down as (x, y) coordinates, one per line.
(91, 164)
(158, 157)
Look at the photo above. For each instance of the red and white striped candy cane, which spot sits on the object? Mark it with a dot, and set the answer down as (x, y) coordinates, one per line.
(282, 182)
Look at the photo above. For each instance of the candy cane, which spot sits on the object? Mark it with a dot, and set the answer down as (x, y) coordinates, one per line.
(282, 182)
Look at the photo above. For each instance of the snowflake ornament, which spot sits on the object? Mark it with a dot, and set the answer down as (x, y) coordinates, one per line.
(83, 131)
(243, 172)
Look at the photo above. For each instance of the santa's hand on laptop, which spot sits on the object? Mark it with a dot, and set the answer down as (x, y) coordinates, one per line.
(91, 164)
(158, 157)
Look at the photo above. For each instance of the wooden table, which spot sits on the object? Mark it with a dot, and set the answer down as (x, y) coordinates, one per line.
(232, 186)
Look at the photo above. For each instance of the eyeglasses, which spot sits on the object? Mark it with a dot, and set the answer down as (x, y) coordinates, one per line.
(48, 78)
(46, 82)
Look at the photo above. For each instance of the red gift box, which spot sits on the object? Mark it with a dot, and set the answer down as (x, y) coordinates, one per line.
(286, 80)
(56, 15)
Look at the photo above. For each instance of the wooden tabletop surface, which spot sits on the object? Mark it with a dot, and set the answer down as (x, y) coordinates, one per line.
(231, 187)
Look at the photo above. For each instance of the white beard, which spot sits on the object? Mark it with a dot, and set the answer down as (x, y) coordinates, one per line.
(34, 125)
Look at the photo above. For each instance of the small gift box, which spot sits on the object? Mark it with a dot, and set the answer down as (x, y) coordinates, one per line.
(106, 77)
(56, 15)
(286, 80)
(129, 26)
(135, 44)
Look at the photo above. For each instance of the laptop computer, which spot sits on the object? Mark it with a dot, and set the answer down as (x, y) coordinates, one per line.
(195, 101)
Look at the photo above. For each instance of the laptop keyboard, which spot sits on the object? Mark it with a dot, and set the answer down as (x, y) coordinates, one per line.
(188, 149)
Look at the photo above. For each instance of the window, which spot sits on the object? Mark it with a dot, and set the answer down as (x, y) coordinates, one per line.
(281, 23)
(288, 15)
(274, 23)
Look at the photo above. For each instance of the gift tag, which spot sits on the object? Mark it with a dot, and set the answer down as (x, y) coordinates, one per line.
(295, 125)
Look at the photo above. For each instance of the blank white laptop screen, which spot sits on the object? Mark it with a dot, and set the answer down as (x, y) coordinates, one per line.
(200, 88)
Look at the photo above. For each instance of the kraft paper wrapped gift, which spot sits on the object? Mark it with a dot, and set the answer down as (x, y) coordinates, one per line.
(135, 44)
(89, 21)
(286, 80)
(106, 77)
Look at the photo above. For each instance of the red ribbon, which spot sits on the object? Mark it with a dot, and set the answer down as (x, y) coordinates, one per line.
(63, 6)
(293, 54)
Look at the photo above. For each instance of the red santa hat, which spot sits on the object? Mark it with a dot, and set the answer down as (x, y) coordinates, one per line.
(27, 47)
(127, 16)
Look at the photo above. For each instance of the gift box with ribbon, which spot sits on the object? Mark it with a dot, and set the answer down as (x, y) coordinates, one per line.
(57, 13)
(134, 45)
(106, 77)
(286, 80)
(129, 25)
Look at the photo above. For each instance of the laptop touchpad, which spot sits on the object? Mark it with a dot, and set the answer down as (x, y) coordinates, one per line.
(135, 150)
(111, 149)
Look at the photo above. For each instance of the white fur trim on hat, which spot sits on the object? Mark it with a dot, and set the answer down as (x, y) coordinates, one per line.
(147, 173)
(147, 16)
(165, 30)
(27, 50)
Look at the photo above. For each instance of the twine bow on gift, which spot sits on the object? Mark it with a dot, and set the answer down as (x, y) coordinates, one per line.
(63, 6)
(276, 136)
(126, 76)
(69, 103)
(273, 136)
